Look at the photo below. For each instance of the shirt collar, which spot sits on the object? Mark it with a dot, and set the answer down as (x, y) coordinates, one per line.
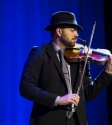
(56, 48)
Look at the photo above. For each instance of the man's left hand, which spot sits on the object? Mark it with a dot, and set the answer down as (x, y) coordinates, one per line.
(108, 67)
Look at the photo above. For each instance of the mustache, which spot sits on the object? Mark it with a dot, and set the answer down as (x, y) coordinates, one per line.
(75, 38)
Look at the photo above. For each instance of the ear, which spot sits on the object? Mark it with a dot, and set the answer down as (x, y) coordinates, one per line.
(59, 31)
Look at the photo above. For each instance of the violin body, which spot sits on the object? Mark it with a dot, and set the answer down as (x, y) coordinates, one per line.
(96, 56)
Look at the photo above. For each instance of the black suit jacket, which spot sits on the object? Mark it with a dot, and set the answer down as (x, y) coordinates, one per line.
(43, 80)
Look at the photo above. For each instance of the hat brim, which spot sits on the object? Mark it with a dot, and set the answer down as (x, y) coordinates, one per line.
(63, 25)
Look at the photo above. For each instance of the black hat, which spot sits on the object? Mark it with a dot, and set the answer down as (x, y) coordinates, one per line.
(63, 19)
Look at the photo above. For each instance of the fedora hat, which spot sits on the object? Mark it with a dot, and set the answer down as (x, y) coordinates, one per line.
(63, 19)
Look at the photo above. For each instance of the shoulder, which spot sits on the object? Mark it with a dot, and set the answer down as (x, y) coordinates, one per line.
(35, 55)
(41, 50)
(36, 50)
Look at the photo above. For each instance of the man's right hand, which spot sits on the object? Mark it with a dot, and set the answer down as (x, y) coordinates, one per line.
(69, 99)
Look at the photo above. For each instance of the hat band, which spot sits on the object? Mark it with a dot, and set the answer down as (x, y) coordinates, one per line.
(68, 22)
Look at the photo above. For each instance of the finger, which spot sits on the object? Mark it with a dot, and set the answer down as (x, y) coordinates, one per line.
(75, 99)
(74, 95)
(74, 102)
(110, 59)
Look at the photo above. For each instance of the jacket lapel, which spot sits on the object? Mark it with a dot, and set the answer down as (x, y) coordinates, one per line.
(50, 50)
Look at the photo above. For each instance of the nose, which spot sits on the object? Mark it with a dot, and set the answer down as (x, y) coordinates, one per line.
(76, 34)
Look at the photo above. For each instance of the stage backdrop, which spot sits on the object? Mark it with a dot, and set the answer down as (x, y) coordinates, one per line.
(22, 25)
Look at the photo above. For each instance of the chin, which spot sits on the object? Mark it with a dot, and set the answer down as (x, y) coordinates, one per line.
(71, 46)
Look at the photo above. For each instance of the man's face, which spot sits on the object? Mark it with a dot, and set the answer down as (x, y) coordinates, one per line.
(68, 37)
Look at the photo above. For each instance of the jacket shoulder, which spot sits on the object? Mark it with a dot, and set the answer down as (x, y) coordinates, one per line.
(36, 50)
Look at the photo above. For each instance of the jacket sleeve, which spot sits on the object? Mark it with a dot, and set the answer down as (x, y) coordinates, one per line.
(93, 88)
(29, 80)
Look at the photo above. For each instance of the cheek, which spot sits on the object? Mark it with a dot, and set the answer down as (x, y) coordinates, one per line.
(70, 37)
(67, 36)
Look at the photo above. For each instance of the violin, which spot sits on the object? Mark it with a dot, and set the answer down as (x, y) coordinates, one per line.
(78, 54)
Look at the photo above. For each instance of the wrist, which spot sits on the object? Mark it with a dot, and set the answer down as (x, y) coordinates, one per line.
(56, 101)
(109, 72)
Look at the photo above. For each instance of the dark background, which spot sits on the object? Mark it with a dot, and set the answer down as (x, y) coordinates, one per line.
(108, 34)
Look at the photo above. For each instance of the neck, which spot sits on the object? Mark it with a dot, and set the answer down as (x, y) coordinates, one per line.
(58, 43)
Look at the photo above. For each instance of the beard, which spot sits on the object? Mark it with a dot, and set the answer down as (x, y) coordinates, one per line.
(68, 43)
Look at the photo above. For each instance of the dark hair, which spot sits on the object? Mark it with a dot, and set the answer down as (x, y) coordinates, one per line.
(53, 32)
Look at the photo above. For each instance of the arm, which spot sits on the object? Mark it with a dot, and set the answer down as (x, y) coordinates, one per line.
(92, 89)
(30, 77)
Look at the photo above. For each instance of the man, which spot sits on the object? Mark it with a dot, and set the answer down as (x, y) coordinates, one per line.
(53, 91)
